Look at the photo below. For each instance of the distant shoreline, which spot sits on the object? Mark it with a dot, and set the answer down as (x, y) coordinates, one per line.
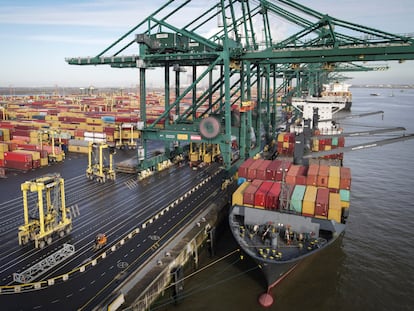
(52, 90)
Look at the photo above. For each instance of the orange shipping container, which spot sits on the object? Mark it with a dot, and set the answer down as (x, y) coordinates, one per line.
(335, 210)
(291, 174)
(345, 178)
(312, 178)
(323, 176)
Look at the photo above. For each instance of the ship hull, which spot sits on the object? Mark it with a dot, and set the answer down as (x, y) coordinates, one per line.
(275, 270)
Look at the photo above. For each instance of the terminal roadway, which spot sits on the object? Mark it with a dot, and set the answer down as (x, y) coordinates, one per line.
(120, 209)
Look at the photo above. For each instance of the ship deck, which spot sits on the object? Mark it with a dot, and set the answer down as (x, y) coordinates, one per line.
(276, 242)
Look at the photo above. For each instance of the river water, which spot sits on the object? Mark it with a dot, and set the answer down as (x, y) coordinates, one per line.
(371, 268)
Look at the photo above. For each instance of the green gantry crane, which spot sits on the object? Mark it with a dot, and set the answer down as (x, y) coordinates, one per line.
(235, 77)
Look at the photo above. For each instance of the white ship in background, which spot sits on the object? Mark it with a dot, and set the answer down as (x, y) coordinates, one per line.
(337, 92)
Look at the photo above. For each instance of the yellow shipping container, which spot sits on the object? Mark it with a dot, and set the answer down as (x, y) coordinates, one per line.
(334, 177)
(280, 137)
(83, 126)
(344, 204)
(95, 128)
(308, 205)
(94, 121)
(51, 118)
(335, 210)
(78, 149)
(237, 198)
(6, 134)
(35, 154)
(34, 134)
(4, 147)
(55, 124)
(335, 214)
(127, 134)
(44, 161)
(33, 141)
(1, 155)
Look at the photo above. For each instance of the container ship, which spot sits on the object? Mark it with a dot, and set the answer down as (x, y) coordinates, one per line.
(338, 92)
(292, 207)
(335, 92)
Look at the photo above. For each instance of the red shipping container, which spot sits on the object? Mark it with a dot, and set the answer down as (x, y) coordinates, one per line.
(79, 133)
(272, 198)
(322, 202)
(252, 169)
(18, 165)
(249, 192)
(261, 170)
(28, 147)
(242, 171)
(272, 168)
(109, 130)
(261, 194)
(18, 157)
(289, 137)
(302, 175)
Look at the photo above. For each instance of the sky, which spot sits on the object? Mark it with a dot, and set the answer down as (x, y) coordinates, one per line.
(37, 36)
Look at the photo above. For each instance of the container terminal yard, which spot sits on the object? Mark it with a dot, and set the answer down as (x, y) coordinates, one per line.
(106, 197)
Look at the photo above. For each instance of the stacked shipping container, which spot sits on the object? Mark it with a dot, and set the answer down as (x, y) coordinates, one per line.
(319, 191)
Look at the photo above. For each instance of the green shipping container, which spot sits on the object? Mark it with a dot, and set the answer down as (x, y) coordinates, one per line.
(334, 141)
(297, 198)
(345, 195)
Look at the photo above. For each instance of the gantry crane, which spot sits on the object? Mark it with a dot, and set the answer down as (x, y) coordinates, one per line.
(237, 67)
(45, 216)
(126, 136)
(100, 162)
(50, 135)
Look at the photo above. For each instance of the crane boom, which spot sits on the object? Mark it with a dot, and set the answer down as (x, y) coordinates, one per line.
(362, 133)
(352, 116)
(377, 143)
